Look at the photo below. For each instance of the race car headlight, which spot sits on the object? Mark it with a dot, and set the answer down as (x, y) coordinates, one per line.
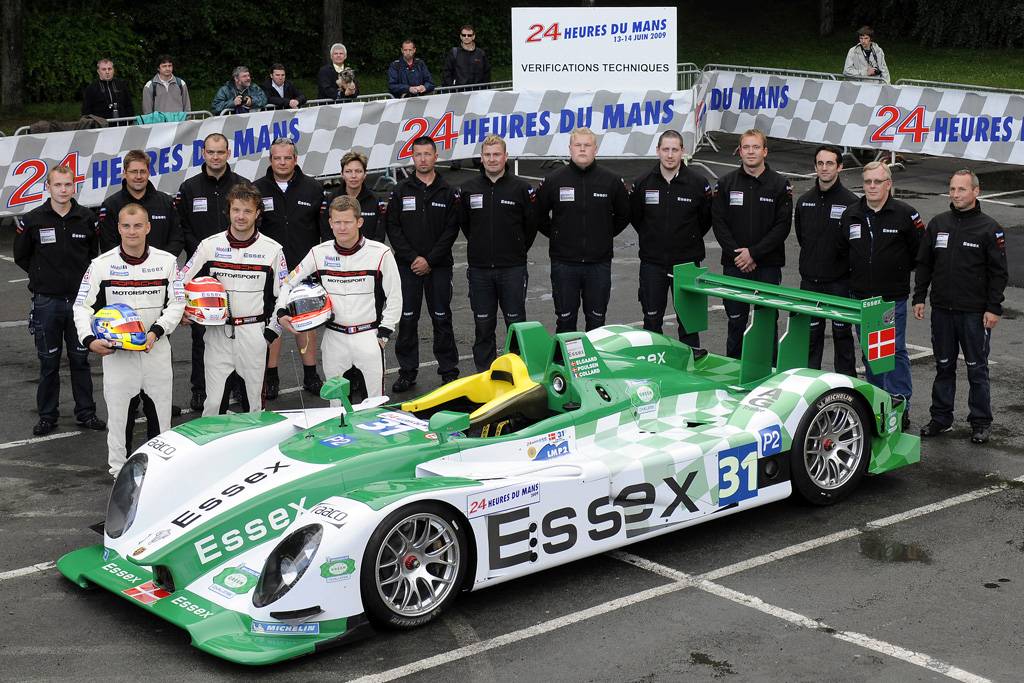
(124, 497)
(286, 564)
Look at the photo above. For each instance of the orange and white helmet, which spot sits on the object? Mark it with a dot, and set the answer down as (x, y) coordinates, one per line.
(206, 302)
(309, 305)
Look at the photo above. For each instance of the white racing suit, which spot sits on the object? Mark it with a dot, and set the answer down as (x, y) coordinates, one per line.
(152, 287)
(366, 297)
(252, 273)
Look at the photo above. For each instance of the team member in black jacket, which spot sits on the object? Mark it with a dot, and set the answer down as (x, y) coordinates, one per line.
(751, 215)
(817, 230)
(136, 189)
(201, 206)
(879, 238)
(423, 222)
(281, 92)
(671, 214)
(496, 215)
(55, 244)
(963, 259)
(581, 207)
(353, 175)
(292, 203)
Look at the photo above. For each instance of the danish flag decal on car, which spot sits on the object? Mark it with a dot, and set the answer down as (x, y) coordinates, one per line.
(882, 344)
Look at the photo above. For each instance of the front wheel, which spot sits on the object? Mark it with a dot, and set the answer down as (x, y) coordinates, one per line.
(831, 448)
(414, 566)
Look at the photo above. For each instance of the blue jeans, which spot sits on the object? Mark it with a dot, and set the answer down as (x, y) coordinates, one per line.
(489, 287)
(436, 288)
(898, 380)
(572, 281)
(655, 285)
(842, 333)
(739, 311)
(953, 331)
(55, 327)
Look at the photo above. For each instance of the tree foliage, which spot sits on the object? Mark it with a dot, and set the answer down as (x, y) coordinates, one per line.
(944, 23)
(208, 38)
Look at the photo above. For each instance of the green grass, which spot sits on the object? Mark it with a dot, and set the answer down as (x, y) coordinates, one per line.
(716, 45)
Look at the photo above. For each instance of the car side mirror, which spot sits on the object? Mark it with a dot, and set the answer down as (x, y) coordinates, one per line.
(445, 421)
(337, 388)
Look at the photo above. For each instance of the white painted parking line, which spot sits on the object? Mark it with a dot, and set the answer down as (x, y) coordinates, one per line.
(14, 323)
(37, 439)
(524, 634)
(41, 567)
(882, 647)
(681, 580)
(52, 466)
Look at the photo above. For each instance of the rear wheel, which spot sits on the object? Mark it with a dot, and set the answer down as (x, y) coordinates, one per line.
(414, 566)
(831, 448)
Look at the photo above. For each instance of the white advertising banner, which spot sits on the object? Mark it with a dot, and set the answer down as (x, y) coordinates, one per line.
(533, 124)
(982, 126)
(594, 48)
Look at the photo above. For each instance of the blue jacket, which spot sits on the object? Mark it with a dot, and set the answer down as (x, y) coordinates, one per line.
(402, 75)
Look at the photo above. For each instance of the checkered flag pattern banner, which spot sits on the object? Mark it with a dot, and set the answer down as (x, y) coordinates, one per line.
(533, 124)
(983, 126)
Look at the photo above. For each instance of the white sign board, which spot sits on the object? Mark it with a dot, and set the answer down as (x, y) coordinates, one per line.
(594, 48)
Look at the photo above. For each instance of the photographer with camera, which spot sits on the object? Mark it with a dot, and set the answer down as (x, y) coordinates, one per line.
(108, 97)
(240, 93)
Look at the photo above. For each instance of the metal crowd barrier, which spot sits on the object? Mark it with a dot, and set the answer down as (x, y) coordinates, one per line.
(797, 73)
(957, 86)
(198, 114)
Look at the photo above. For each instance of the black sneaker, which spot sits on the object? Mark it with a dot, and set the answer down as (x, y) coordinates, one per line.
(312, 385)
(273, 389)
(933, 428)
(456, 166)
(93, 423)
(980, 435)
(906, 421)
(403, 384)
(44, 427)
(449, 376)
(175, 410)
(198, 401)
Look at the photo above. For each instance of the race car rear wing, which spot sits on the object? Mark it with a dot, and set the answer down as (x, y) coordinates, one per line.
(876, 319)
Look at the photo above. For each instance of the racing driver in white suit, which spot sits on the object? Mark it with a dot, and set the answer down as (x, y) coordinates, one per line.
(251, 267)
(146, 279)
(361, 277)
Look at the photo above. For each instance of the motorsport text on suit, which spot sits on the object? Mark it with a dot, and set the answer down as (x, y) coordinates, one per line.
(366, 297)
(252, 272)
(152, 287)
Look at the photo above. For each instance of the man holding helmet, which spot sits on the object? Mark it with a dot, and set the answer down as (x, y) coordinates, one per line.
(129, 300)
(251, 268)
(365, 290)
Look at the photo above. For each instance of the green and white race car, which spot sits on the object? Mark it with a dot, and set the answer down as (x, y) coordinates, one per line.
(272, 535)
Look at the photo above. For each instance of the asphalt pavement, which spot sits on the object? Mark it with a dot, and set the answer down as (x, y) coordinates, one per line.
(915, 577)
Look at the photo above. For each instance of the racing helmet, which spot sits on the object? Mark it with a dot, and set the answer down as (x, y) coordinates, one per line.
(120, 325)
(206, 302)
(309, 305)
